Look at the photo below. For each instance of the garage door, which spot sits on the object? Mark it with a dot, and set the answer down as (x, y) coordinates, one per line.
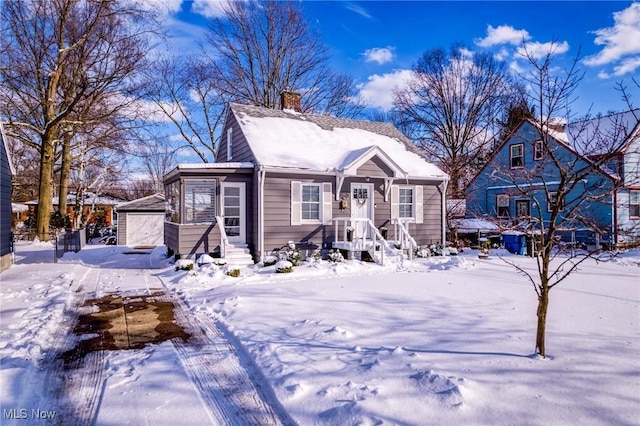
(145, 229)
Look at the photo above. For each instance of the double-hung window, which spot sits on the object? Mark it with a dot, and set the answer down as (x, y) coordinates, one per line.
(634, 204)
(553, 201)
(502, 205)
(538, 150)
(310, 202)
(405, 202)
(516, 155)
(199, 201)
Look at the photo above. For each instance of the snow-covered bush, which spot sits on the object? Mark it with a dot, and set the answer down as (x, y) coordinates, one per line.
(294, 256)
(184, 265)
(205, 259)
(335, 256)
(423, 252)
(316, 256)
(270, 260)
(233, 271)
(284, 266)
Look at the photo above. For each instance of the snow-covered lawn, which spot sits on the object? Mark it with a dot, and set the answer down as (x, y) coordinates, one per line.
(442, 340)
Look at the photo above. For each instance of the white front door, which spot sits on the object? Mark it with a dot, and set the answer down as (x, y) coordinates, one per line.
(361, 207)
(233, 211)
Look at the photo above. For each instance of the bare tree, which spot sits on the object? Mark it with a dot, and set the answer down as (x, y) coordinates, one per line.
(252, 54)
(57, 55)
(451, 107)
(556, 176)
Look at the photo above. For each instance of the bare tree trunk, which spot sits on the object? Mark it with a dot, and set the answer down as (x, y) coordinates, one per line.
(543, 305)
(45, 199)
(64, 172)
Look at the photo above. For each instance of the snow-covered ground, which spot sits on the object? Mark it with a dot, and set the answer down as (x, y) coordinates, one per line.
(441, 340)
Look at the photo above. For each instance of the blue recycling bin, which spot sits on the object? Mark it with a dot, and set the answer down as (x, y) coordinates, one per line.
(515, 243)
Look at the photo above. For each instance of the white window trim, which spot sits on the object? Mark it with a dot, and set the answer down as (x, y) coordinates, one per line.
(511, 157)
(325, 210)
(319, 202)
(417, 209)
(550, 207)
(538, 147)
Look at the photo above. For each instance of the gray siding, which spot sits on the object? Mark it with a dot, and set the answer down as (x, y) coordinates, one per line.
(121, 233)
(277, 221)
(240, 148)
(375, 167)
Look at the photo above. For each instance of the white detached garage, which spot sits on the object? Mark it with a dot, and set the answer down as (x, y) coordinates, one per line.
(141, 221)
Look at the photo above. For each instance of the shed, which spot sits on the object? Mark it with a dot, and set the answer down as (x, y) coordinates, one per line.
(141, 221)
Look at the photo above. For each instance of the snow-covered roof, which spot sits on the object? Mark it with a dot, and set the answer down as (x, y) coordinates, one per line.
(89, 198)
(243, 165)
(468, 226)
(285, 139)
(5, 144)
(151, 202)
(19, 207)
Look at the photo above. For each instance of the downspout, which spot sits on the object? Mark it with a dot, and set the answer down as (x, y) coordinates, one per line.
(444, 211)
(261, 176)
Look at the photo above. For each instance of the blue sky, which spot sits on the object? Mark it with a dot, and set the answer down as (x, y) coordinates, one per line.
(377, 42)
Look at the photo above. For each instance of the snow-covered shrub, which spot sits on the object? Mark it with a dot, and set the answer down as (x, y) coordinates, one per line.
(294, 256)
(220, 262)
(205, 259)
(284, 266)
(423, 252)
(270, 260)
(335, 256)
(316, 256)
(184, 265)
(233, 271)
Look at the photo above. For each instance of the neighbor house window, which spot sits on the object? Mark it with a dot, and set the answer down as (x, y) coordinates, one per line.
(502, 204)
(517, 155)
(229, 144)
(310, 204)
(634, 204)
(172, 192)
(405, 202)
(523, 208)
(538, 150)
(199, 201)
(553, 201)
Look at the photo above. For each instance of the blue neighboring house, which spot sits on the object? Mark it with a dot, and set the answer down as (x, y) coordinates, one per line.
(519, 184)
(6, 177)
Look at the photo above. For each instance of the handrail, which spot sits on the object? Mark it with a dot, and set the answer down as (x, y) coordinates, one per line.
(376, 235)
(224, 240)
(406, 237)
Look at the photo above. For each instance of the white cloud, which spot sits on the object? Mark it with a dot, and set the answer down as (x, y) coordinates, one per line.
(359, 10)
(503, 34)
(165, 7)
(539, 50)
(623, 39)
(380, 55)
(502, 55)
(628, 66)
(211, 8)
(378, 90)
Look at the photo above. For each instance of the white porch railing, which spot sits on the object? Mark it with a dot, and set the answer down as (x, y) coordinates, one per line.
(401, 233)
(370, 241)
(224, 240)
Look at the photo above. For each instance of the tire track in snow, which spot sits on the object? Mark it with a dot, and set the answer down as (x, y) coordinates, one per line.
(224, 383)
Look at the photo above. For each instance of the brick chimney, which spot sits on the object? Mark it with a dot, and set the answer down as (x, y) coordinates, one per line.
(290, 100)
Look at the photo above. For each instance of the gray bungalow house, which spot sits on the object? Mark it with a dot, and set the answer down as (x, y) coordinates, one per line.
(319, 181)
(7, 172)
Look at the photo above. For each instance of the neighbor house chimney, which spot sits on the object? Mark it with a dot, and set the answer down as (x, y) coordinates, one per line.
(290, 100)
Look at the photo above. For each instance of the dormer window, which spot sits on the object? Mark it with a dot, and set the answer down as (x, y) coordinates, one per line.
(517, 155)
(229, 144)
